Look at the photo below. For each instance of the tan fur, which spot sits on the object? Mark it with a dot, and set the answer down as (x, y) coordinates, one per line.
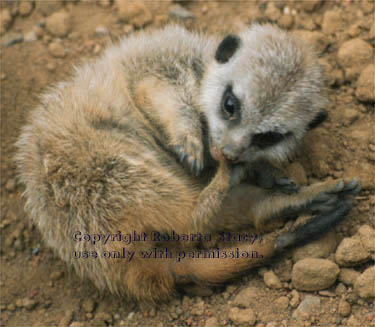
(97, 156)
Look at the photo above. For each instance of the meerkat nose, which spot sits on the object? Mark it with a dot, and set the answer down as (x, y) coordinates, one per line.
(230, 152)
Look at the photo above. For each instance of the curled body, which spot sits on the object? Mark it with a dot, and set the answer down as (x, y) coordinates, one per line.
(163, 133)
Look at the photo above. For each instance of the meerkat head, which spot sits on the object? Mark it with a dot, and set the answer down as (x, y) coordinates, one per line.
(261, 93)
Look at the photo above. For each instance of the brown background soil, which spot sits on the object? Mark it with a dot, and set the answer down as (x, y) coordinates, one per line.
(38, 290)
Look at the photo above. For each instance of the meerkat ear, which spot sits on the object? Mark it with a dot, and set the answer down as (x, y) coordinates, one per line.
(319, 118)
(227, 48)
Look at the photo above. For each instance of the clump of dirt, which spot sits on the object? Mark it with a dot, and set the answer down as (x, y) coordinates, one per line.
(328, 283)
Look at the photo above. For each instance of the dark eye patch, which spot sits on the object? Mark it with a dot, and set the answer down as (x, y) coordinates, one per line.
(265, 140)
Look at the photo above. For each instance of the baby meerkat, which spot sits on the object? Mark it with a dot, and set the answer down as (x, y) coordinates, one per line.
(104, 155)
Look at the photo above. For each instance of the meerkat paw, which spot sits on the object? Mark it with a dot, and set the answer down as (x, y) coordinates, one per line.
(270, 177)
(191, 153)
(326, 202)
(315, 227)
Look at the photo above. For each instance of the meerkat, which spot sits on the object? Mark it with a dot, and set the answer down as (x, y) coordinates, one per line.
(171, 131)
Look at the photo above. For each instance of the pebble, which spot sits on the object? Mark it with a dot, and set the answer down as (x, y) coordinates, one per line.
(57, 50)
(353, 55)
(30, 36)
(246, 297)
(25, 8)
(179, 12)
(59, 24)
(367, 236)
(313, 274)
(348, 276)
(364, 285)
(134, 12)
(331, 22)
(294, 301)
(351, 252)
(340, 289)
(320, 248)
(350, 115)
(366, 85)
(11, 38)
(286, 21)
(242, 316)
(282, 303)
(26, 303)
(310, 305)
(271, 280)
(344, 308)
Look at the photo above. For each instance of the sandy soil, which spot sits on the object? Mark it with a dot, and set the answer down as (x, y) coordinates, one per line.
(36, 50)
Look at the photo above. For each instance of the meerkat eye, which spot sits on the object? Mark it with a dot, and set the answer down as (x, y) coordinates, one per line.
(230, 105)
(265, 140)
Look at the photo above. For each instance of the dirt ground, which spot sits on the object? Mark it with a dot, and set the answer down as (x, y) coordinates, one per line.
(38, 48)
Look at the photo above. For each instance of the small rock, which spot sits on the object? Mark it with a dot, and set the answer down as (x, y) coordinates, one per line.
(310, 5)
(340, 289)
(59, 24)
(351, 252)
(282, 303)
(310, 305)
(366, 85)
(353, 55)
(29, 304)
(10, 186)
(56, 49)
(10, 39)
(30, 36)
(246, 297)
(211, 322)
(56, 275)
(312, 274)
(88, 305)
(344, 308)
(51, 66)
(134, 12)
(180, 13)
(25, 8)
(294, 301)
(286, 21)
(242, 316)
(5, 20)
(272, 280)
(348, 276)
(320, 248)
(367, 237)
(77, 324)
(317, 39)
(272, 12)
(364, 285)
(103, 319)
(331, 22)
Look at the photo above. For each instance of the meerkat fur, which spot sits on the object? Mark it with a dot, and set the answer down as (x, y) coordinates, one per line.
(158, 134)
